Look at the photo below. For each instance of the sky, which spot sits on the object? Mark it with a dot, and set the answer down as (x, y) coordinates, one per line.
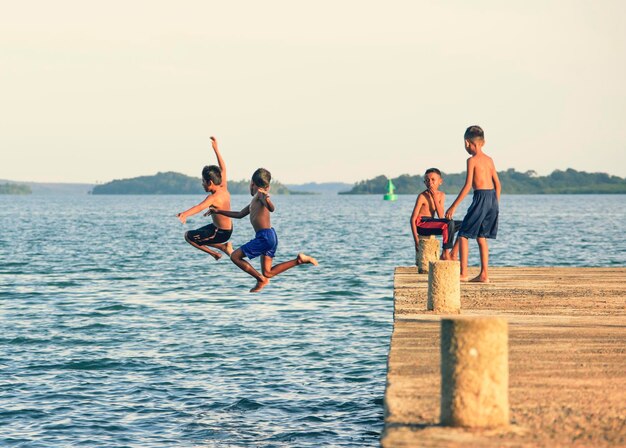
(313, 91)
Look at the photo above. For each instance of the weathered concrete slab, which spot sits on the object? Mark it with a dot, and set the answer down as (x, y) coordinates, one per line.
(567, 359)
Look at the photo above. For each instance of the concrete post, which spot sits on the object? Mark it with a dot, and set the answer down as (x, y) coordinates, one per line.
(444, 287)
(474, 372)
(427, 250)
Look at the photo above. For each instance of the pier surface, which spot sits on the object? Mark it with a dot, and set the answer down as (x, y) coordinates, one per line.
(567, 359)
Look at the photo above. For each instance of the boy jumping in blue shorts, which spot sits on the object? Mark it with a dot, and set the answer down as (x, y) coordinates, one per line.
(481, 220)
(265, 241)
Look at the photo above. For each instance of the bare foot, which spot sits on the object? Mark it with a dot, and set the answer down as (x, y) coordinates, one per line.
(302, 258)
(480, 279)
(260, 284)
(464, 279)
(215, 255)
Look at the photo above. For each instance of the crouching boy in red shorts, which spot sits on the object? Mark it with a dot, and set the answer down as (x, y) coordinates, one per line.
(423, 222)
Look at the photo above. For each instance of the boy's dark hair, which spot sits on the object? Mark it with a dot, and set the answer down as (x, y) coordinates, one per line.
(474, 132)
(262, 178)
(432, 170)
(212, 173)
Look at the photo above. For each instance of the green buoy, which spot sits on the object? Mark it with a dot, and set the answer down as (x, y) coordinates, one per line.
(390, 196)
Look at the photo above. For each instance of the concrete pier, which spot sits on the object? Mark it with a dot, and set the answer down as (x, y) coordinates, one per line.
(567, 359)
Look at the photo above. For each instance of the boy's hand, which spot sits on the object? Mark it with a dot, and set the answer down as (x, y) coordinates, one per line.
(265, 191)
(182, 218)
(211, 211)
(450, 213)
(213, 142)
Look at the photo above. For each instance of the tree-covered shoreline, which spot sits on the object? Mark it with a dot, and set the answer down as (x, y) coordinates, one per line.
(569, 181)
(174, 183)
(10, 188)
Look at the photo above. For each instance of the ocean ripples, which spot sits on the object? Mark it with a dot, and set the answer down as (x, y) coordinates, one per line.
(118, 333)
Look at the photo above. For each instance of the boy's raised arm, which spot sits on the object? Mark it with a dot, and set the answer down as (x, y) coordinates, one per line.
(264, 196)
(466, 188)
(220, 160)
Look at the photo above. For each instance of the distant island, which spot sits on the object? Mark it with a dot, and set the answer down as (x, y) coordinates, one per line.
(175, 183)
(52, 188)
(513, 182)
(569, 181)
(10, 188)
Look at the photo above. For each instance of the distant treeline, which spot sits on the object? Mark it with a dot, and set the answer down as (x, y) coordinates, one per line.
(14, 189)
(174, 183)
(513, 182)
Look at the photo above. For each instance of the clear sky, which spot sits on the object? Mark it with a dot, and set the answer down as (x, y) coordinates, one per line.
(313, 91)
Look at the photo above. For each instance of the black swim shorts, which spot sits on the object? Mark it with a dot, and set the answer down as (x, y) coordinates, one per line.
(209, 234)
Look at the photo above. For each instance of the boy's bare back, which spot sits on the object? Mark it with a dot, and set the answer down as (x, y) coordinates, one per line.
(221, 199)
(483, 171)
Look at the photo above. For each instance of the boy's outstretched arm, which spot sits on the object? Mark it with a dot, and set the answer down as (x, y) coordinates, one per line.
(237, 215)
(220, 160)
(182, 216)
(466, 188)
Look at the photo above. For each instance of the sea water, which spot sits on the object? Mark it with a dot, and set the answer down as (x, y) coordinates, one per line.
(115, 332)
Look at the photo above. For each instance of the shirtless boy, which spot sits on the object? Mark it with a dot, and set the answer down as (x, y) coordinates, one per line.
(265, 240)
(481, 220)
(423, 222)
(218, 232)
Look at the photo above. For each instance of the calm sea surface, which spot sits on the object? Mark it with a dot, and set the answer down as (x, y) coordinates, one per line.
(115, 332)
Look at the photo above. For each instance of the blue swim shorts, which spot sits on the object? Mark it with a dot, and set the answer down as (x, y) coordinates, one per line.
(265, 243)
(481, 220)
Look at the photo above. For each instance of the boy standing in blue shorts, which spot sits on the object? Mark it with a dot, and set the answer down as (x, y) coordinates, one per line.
(481, 220)
(265, 241)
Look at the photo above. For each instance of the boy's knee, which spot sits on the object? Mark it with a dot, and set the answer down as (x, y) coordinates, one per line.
(267, 274)
(236, 255)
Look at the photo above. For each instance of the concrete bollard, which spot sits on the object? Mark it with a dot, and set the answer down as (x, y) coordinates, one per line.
(444, 287)
(474, 372)
(427, 250)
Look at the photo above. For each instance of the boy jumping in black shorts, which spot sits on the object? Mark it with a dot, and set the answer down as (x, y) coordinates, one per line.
(481, 220)
(218, 232)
